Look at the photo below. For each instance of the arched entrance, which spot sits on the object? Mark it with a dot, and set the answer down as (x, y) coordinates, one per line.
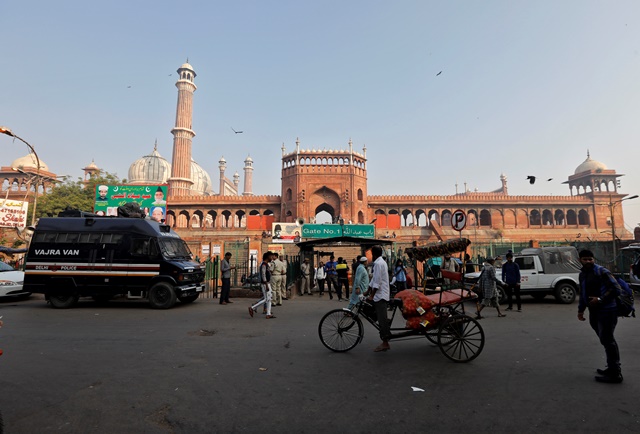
(325, 204)
(325, 213)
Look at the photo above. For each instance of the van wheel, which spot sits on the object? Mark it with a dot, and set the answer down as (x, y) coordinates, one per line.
(189, 298)
(63, 301)
(565, 293)
(162, 296)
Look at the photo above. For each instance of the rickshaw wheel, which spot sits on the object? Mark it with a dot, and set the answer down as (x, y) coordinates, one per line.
(340, 330)
(461, 338)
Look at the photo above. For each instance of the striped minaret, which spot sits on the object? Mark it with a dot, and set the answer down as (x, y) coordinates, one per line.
(180, 181)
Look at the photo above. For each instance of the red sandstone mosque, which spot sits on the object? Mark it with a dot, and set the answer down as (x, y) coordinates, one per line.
(335, 182)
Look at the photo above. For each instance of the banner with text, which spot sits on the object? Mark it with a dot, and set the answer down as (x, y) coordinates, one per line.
(151, 198)
(332, 231)
(13, 213)
(285, 232)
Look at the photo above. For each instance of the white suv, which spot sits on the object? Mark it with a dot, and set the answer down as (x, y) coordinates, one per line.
(634, 269)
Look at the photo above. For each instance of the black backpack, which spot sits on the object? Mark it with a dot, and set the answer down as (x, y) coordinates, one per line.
(624, 300)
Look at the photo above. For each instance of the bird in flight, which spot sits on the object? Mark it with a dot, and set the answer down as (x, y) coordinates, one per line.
(237, 132)
(532, 179)
(438, 73)
(128, 87)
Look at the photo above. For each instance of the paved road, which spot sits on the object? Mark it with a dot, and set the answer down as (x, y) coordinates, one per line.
(203, 367)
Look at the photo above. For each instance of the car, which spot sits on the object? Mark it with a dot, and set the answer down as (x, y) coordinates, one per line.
(11, 282)
(544, 271)
(634, 269)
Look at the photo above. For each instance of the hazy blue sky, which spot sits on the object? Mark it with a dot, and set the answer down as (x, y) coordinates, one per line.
(526, 87)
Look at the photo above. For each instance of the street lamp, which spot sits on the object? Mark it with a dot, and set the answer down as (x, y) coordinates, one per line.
(612, 206)
(8, 132)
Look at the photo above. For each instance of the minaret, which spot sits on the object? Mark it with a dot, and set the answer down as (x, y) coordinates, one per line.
(222, 165)
(503, 179)
(248, 176)
(180, 182)
(90, 171)
(236, 182)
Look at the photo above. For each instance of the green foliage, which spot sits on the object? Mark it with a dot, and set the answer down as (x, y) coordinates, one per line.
(74, 194)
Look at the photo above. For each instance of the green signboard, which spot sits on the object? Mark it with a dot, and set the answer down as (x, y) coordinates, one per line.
(151, 198)
(332, 231)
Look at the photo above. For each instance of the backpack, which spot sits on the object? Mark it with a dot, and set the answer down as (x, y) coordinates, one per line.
(624, 300)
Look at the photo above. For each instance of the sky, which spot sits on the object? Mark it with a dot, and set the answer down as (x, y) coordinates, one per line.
(441, 93)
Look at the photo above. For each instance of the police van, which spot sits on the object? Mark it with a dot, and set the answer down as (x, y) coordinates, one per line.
(105, 257)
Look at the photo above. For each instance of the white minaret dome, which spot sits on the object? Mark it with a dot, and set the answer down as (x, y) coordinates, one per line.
(590, 164)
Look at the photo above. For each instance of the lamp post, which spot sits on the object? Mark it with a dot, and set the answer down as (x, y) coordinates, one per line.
(8, 132)
(612, 206)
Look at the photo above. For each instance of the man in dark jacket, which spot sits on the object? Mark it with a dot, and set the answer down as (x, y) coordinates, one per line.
(598, 291)
(511, 276)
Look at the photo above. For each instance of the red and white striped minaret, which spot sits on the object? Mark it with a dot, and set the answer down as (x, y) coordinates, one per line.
(180, 181)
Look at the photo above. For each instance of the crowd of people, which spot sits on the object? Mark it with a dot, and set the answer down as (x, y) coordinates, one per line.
(598, 289)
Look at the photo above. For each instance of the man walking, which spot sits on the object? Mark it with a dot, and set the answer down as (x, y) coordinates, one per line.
(265, 285)
(278, 280)
(305, 271)
(379, 294)
(332, 275)
(598, 292)
(360, 282)
(511, 276)
(225, 269)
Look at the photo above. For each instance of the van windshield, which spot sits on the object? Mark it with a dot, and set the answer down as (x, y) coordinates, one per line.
(174, 249)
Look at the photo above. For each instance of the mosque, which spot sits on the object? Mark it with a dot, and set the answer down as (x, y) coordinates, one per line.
(334, 182)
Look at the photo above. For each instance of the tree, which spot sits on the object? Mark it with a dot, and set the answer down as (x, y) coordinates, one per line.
(78, 194)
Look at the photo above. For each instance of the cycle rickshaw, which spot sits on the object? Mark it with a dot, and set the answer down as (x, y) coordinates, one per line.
(459, 336)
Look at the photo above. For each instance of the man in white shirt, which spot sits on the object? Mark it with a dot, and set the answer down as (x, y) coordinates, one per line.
(379, 294)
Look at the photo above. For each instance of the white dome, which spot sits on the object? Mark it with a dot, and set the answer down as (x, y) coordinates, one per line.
(150, 169)
(201, 180)
(29, 160)
(589, 164)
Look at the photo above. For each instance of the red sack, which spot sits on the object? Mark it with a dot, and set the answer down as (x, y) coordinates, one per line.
(427, 320)
(409, 282)
(414, 303)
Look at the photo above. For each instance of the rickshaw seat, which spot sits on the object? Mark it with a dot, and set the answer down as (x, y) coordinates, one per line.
(452, 296)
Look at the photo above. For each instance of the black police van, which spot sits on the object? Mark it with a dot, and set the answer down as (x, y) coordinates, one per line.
(105, 257)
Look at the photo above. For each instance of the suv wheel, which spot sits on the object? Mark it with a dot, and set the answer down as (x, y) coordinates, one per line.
(565, 293)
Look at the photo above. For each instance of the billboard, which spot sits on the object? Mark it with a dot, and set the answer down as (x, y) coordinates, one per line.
(285, 232)
(13, 213)
(151, 198)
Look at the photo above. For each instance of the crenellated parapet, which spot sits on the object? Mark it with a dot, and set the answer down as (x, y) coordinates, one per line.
(476, 198)
(216, 199)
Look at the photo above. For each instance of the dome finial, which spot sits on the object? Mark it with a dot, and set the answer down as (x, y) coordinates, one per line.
(155, 145)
